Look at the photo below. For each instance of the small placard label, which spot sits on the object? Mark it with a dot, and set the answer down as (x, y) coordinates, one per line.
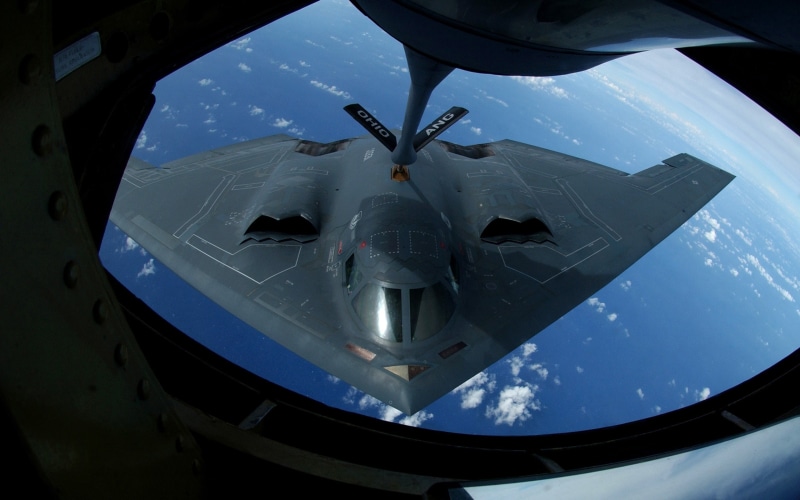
(76, 55)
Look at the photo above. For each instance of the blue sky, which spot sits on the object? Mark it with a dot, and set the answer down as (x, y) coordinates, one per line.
(712, 305)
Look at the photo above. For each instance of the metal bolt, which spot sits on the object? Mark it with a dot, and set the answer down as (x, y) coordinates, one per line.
(42, 140)
(57, 205)
(144, 389)
(100, 311)
(30, 69)
(121, 355)
(71, 274)
(163, 422)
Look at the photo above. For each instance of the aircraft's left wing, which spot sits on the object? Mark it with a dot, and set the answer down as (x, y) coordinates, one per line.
(551, 230)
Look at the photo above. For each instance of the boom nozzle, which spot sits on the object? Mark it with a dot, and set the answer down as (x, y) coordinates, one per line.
(426, 74)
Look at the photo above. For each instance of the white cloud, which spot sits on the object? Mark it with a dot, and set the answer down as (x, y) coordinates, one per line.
(129, 244)
(640, 393)
(595, 302)
(734, 272)
(475, 389)
(702, 394)
(281, 122)
(245, 68)
(472, 398)
(579, 369)
(476, 130)
(332, 379)
(744, 238)
(516, 364)
(368, 401)
(241, 44)
(528, 348)
(350, 395)
(540, 370)
(706, 216)
(388, 413)
(205, 82)
(330, 89)
(542, 84)
(255, 110)
(626, 285)
(498, 101)
(514, 405)
(416, 419)
(612, 317)
(753, 260)
(711, 235)
(141, 141)
(147, 269)
(304, 64)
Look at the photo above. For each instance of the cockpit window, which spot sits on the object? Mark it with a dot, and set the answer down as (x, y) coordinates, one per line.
(452, 274)
(430, 309)
(352, 274)
(381, 310)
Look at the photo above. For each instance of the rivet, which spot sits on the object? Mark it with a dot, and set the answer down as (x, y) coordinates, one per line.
(197, 467)
(28, 6)
(71, 274)
(30, 69)
(57, 205)
(163, 422)
(143, 389)
(100, 311)
(121, 355)
(180, 444)
(42, 140)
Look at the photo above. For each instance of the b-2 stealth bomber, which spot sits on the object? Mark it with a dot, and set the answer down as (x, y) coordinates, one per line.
(403, 289)
(403, 283)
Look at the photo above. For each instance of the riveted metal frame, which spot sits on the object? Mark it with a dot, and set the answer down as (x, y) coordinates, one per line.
(75, 386)
(90, 378)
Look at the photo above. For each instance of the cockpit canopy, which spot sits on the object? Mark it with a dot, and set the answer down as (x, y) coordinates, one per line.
(397, 314)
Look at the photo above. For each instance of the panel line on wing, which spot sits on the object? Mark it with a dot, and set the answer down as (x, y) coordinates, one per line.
(601, 243)
(207, 206)
(232, 268)
(515, 163)
(584, 209)
(252, 185)
(679, 176)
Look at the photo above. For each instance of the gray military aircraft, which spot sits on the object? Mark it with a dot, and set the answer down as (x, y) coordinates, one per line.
(403, 289)
(403, 286)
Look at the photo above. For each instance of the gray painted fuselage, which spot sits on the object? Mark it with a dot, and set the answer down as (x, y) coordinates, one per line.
(403, 289)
